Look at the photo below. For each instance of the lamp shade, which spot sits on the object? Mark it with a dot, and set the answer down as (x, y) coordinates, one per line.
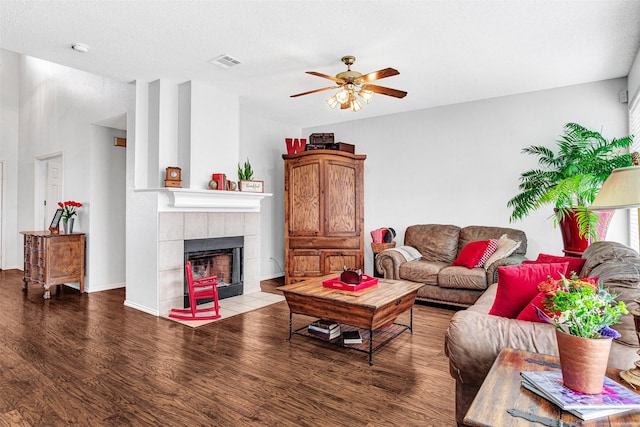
(620, 190)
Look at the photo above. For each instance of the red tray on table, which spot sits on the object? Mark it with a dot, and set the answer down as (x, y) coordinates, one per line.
(335, 283)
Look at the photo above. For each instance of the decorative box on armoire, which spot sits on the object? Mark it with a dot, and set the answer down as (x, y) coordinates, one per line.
(324, 213)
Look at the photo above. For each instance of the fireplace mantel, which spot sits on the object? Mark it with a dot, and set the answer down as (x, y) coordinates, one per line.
(188, 199)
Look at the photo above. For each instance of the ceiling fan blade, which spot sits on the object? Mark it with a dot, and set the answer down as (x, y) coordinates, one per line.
(386, 91)
(314, 91)
(344, 106)
(377, 75)
(335, 79)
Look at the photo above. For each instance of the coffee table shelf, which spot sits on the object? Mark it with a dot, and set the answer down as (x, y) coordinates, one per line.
(381, 336)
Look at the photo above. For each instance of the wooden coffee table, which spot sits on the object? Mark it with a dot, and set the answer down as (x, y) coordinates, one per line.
(372, 310)
(501, 391)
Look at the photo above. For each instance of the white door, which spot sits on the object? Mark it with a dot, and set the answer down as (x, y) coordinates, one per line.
(53, 193)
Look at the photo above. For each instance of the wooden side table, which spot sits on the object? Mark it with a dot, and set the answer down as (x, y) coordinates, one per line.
(53, 259)
(501, 391)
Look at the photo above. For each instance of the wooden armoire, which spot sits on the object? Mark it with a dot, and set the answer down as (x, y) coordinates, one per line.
(324, 213)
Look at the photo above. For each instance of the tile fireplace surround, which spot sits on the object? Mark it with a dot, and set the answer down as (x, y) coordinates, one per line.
(176, 227)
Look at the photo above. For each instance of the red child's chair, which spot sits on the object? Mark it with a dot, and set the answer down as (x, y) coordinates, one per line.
(204, 287)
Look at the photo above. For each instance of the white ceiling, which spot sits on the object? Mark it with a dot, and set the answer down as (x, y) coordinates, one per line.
(446, 51)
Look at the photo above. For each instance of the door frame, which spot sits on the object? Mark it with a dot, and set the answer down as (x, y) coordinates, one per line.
(40, 186)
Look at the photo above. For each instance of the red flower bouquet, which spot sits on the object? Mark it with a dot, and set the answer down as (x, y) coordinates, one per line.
(69, 209)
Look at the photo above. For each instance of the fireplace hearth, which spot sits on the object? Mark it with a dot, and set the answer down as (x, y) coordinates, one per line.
(221, 257)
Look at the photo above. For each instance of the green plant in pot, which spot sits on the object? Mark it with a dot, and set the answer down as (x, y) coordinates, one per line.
(245, 172)
(582, 311)
(569, 178)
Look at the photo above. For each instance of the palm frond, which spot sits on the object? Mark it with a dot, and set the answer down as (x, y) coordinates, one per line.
(571, 176)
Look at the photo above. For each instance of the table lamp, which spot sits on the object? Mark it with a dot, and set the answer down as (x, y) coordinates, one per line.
(621, 191)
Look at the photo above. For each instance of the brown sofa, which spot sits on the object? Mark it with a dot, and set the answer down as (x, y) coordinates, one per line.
(474, 337)
(439, 246)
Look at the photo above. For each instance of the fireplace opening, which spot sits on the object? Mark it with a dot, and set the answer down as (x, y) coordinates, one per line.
(221, 257)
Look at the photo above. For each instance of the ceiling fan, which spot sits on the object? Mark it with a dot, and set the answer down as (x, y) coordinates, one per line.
(352, 83)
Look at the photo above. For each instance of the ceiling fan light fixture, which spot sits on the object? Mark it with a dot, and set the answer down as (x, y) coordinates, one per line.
(333, 101)
(354, 104)
(366, 94)
(342, 97)
(351, 83)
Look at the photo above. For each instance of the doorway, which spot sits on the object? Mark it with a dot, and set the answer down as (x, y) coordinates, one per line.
(48, 189)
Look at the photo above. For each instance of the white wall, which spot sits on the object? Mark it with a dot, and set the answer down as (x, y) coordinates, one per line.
(106, 237)
(634, 78)
(460, 164)
(57, 107)
(262, 141)
(11, 243)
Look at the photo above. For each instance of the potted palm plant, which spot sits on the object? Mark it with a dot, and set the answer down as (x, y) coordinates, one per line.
(569, 179)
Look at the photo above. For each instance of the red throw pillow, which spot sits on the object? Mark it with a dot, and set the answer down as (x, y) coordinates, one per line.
(471, 253)
(529, 313)
(518, 284)
(575, 263)
(491, 249)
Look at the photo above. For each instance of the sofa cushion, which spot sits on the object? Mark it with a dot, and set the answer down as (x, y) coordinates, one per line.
(422, 271)
(462, 278)
(518, 284)
(471, 254)
(436, 242)
(506, 247)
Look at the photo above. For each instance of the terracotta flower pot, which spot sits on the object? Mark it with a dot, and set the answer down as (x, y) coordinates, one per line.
(583, 362)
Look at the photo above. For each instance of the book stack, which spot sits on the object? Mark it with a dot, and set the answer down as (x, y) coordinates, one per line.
(326, 329)
(351, 337)
(614, 399)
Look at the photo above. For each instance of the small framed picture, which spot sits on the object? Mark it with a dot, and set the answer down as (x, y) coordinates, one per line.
(56, 220)
(252, 186)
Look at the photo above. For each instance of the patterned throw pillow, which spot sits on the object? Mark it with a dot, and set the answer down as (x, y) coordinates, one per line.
(472, 253)
(491, 248)
(506, 247)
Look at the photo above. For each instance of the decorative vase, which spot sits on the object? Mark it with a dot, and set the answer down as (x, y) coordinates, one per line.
(67, 226)
(575, 244)
(583, 362)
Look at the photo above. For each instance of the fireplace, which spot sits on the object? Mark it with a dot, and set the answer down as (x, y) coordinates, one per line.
(221, 257)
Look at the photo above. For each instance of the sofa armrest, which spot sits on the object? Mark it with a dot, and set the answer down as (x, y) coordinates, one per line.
(474, 340)
(492, 270)
(388, 263)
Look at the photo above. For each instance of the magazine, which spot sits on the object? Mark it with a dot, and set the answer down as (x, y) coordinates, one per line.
(584, 414)
(613, 395)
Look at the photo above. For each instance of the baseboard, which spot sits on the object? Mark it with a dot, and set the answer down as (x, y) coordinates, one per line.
(275, 276)
(142, 308)
(106, 287)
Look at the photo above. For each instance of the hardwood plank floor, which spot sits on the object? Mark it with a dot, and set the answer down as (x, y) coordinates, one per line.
(88, 360)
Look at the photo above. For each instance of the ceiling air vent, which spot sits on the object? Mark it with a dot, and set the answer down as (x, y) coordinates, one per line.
(225, 61)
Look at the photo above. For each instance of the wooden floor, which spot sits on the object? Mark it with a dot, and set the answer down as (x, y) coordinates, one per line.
(87, 360)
